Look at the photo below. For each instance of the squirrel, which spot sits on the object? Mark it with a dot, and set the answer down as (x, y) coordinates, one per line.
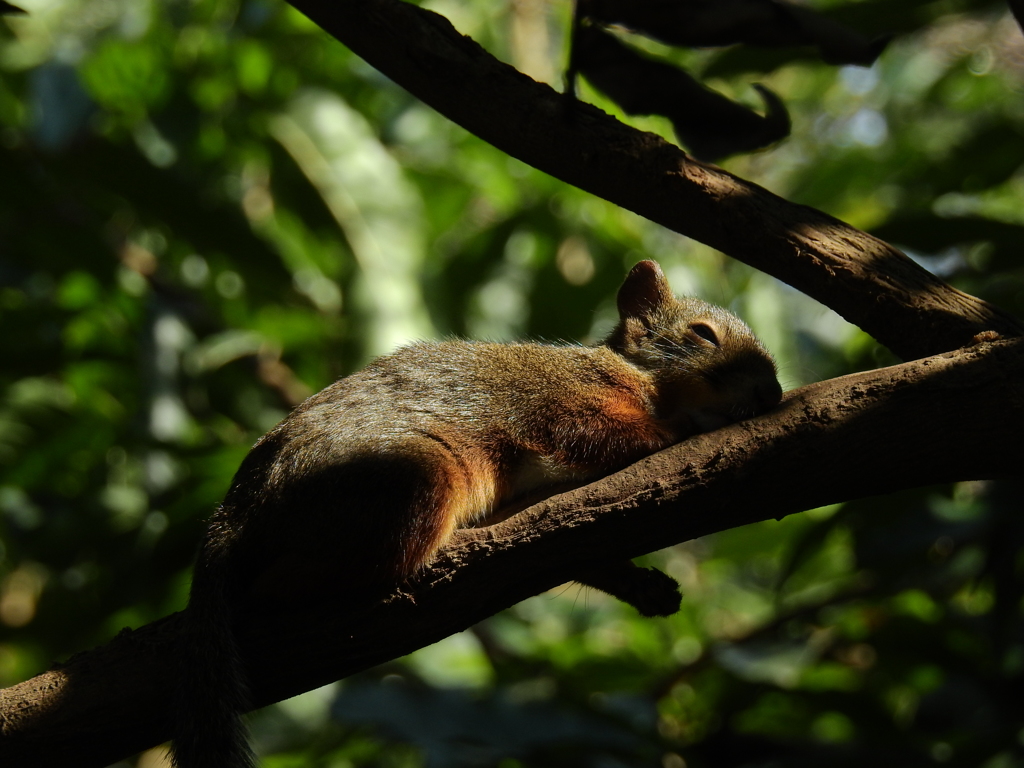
(365, 481)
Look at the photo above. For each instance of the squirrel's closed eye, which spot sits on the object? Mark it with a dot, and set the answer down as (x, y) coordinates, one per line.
(705, 331)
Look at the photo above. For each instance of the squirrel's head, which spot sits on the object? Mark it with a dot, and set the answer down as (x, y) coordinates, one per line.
(708, 367)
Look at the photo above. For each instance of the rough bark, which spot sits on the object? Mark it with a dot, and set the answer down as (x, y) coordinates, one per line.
(957, 416)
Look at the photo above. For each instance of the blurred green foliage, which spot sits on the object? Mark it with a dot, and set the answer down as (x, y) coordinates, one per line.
(209, 209)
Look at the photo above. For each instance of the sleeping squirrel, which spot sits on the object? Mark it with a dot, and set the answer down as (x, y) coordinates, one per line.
(365, 481)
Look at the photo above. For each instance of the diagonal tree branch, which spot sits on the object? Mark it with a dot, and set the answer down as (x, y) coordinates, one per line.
(952, 417)
(865, 280)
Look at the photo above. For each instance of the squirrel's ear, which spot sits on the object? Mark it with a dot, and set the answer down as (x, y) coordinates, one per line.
(644, 290)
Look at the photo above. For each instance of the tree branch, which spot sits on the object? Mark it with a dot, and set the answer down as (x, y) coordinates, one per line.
(952, 417)
(865, 280)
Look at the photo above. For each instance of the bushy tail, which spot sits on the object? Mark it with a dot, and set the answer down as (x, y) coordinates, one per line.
(213, 691)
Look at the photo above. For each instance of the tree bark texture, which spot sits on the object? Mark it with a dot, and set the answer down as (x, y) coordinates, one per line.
(955, 416)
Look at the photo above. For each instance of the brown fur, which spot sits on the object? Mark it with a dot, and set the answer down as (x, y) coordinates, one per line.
(361, 485)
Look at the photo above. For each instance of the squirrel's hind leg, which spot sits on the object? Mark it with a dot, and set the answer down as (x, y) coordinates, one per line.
(363, 524)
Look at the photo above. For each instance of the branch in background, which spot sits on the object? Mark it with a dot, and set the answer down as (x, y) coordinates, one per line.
(769, 23)
(706, 122)
(953, 417)
(1017, 8)
(865, 280)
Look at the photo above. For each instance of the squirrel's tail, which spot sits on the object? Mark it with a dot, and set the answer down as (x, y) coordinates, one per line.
(213, 690)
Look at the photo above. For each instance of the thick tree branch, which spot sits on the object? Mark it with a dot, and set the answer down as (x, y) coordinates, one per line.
(867, 281)
(953, 417)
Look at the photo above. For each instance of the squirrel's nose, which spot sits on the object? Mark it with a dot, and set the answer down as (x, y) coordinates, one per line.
(767, 394)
